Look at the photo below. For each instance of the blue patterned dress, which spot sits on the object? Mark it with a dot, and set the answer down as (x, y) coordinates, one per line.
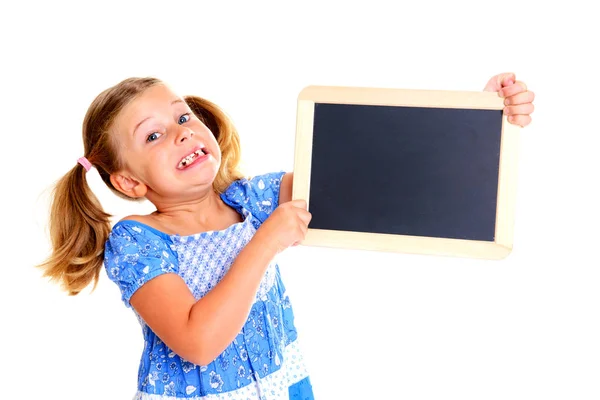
(264, 361)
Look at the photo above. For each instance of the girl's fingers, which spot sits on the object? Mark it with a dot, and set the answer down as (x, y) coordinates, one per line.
(520, 98)
(519, 103)
(298, 203)
(305, 217)
(519, 109)
(513, 89)
(521, 120)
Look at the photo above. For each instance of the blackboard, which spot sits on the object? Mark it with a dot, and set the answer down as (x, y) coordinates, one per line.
(417, 171)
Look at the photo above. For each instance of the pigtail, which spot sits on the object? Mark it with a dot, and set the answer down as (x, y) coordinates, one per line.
(227, 138)
(79, 229)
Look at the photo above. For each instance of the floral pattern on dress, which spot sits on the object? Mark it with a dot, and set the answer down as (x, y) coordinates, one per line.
(257, 361)
(132, 257)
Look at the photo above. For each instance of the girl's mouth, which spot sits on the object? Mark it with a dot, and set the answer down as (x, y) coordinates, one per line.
(189, 159)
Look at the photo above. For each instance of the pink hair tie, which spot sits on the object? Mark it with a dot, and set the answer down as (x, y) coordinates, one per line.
(86, 164)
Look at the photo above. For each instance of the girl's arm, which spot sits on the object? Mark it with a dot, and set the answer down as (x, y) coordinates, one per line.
(200, 330)
(285, 192)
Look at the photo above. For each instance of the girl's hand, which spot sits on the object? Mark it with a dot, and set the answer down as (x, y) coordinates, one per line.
(286, 226)
(517, 99)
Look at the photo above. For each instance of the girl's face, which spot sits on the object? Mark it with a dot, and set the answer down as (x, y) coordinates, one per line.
(169, 154)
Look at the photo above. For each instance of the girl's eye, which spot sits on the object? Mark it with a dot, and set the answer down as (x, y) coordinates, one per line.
(153, 136)
(184, 118)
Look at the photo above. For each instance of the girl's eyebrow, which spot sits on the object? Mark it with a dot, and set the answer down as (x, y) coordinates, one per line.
(147, 118)
(139, 123)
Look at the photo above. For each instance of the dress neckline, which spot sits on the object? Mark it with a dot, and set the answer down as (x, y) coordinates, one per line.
(243, 212)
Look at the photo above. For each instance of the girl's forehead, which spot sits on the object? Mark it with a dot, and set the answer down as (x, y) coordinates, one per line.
(155, 96)
(153, 100)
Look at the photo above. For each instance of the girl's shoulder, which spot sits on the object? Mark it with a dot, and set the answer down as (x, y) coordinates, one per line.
(131, 236)
(256, 183)
(138, 226)
(136, 253)
(258, 194)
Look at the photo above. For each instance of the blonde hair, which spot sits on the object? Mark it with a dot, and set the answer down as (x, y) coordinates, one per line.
(78, 225)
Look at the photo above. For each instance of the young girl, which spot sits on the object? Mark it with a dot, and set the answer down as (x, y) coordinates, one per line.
(199, 272)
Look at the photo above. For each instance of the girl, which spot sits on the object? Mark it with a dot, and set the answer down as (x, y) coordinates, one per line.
(199, 272)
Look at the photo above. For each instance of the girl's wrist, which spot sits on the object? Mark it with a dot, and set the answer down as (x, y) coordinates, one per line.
(266, 242)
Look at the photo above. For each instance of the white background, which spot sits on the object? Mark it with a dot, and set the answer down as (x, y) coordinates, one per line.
(373, 325)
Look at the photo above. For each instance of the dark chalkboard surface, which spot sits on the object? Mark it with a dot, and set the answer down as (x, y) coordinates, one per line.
(405, 170)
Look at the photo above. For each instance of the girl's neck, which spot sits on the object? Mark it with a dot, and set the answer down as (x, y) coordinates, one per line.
(207, 214)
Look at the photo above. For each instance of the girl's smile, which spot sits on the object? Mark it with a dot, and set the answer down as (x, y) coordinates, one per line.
(197, 156)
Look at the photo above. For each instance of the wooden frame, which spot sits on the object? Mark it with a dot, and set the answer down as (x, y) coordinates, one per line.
(507, 180)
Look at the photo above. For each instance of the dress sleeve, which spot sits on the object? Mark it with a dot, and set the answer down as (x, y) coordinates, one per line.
(134, 255)
(259, 195)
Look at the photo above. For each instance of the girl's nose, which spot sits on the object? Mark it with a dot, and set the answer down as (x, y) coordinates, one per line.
(184, 134)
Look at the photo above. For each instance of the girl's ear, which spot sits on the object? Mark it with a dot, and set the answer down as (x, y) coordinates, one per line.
(128, 186)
